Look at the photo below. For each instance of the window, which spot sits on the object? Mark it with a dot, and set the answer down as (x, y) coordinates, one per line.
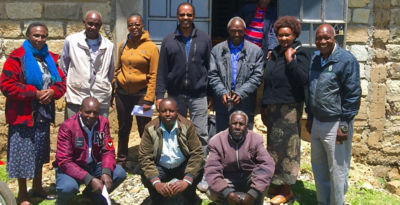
(313, 13)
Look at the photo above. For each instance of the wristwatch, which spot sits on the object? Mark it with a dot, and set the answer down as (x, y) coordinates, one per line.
(344, 128)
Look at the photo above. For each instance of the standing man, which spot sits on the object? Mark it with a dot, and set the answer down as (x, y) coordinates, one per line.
(335, 94)
(170, 149)
(183, 68)
(236, 71)
(260, 19)
(88, 61)
(238, 162)
(85, 155)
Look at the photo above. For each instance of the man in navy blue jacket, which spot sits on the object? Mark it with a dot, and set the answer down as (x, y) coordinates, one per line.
(334, 100)
(183, 67)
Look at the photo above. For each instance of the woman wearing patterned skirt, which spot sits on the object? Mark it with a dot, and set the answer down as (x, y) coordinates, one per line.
(31, 81)
(282, 104)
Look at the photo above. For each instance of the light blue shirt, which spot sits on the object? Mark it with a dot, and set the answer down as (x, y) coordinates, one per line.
(171, 154)
(89, 132)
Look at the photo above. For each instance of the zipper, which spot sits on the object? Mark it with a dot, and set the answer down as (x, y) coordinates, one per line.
(237, 156)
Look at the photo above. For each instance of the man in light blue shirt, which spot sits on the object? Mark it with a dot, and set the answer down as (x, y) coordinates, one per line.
(171, 157)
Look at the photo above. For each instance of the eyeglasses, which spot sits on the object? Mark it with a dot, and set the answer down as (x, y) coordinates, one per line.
(134, 24)
(186, 14)
(281, 35)
(39, 36)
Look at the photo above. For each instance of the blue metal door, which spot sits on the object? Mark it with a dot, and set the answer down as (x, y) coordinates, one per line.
(160, 16)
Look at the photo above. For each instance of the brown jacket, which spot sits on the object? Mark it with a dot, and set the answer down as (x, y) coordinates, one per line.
(136, 69)
(151, 146)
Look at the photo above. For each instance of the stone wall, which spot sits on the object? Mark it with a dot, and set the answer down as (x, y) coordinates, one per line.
(62, 18)
(373, 36)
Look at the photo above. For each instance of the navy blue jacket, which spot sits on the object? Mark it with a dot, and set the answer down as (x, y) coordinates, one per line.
(335, 91)
(284, 82)
(177, 75)
(269, 40)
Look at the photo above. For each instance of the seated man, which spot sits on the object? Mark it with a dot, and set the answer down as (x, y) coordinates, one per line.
(171, 156)
(238, 169)
(85, 154)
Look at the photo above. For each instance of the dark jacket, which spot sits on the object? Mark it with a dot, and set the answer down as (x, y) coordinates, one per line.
(19, 95)
(269, 40)
(151, 146)
(249, 75)
(180, 76)
(72, 148)
(335, 90)
(284, 82)
(231, 160)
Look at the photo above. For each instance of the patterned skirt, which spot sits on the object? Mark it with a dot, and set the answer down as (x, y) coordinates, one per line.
(283, 140)
(28, 150)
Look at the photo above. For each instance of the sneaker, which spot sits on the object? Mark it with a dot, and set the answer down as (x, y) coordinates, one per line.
(203, 185)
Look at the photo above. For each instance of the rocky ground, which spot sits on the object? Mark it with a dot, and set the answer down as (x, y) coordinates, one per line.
(131, 191)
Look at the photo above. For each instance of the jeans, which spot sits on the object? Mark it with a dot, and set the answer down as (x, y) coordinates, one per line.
(125, 104)
(198, 114)
(71, 109)
(165, 175)
(67, 187)
(330, 161)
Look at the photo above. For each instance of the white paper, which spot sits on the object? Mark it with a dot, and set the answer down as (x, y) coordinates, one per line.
(138, 111)
(104, 193)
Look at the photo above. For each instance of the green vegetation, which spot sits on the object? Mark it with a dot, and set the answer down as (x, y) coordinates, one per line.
(3, 172)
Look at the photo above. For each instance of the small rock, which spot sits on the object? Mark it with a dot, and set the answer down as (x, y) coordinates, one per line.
(367, 186)
(393, 187)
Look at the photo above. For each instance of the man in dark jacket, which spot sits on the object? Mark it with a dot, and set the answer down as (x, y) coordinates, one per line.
(171, 156)
(183, 67)
(335, 94)
(85, 154)
(238, 162)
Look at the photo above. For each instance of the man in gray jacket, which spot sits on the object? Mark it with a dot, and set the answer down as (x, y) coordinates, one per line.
(236, 70)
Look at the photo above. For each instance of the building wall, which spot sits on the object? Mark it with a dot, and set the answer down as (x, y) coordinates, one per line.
(373, 36)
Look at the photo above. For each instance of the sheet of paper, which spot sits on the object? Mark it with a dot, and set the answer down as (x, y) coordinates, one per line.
(138, 111)
(104, 193)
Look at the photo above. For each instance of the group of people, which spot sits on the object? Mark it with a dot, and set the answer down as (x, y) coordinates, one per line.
(177, 153)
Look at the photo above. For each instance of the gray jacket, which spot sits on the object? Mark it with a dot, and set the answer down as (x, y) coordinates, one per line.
(249, 73)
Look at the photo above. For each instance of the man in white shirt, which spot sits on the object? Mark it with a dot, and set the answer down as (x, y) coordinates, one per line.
(171, 156)
(87, 60)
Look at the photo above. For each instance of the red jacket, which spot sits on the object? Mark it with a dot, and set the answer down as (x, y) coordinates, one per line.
(19, 94)
(72, 148)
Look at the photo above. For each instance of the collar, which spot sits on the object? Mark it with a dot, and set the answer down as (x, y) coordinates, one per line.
(231, 140)
(173, 127)
(84, 127)
(179, 34)
(235, 49)
(82, 41)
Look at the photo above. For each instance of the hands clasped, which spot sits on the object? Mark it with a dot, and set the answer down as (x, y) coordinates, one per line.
(171, 189)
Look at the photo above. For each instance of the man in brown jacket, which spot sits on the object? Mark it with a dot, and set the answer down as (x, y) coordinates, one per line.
(171, 156)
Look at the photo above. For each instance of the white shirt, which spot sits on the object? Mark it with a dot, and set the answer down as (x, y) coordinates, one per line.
(171, 154)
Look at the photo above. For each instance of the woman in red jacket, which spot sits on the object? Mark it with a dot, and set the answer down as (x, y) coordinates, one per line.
(31, 81)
